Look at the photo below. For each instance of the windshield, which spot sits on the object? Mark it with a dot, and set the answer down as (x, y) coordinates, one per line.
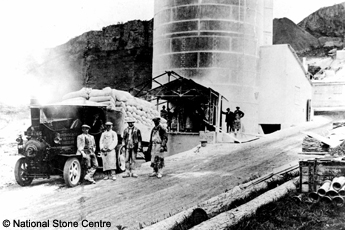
(69, 117)
(50, 114)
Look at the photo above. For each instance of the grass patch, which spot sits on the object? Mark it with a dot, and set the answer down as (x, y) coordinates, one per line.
(287, 214)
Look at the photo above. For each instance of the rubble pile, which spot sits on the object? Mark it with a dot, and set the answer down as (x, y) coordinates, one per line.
(140, 110)
(310, 144)
(338, 151)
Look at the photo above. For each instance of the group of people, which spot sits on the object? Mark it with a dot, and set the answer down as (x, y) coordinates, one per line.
(132, 142)
(233, 120)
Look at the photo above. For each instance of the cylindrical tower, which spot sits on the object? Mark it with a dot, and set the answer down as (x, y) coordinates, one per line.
(215, 43)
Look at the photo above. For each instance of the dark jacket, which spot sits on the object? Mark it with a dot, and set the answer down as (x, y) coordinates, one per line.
(163, 135)
(229, 117)
(136, 137)
(239, 112)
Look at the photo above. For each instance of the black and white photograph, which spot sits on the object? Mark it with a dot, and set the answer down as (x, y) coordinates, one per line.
(172, 114)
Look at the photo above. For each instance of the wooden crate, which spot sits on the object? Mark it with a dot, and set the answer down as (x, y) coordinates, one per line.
(313, 173)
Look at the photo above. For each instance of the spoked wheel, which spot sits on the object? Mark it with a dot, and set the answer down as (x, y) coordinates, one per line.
(121, 160)
(21, 172)
(72, 172)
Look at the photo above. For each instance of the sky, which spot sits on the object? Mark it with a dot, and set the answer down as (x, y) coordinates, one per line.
(28, 26)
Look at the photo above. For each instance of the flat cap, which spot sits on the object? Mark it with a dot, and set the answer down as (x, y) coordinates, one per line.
(130, 120)
(156, 118)
(108, 123)
(85, 126)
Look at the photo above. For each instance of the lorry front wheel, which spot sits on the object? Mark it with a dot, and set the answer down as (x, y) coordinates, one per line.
(72, 172)
(21, 172)
(121, 162)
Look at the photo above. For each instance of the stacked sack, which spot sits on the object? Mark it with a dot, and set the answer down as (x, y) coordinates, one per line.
(141, 110)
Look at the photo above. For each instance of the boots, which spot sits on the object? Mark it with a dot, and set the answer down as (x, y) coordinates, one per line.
(132, 170)
(127, 174)
(134, 175)
(128, 171)
(160, 173)
(89, 175)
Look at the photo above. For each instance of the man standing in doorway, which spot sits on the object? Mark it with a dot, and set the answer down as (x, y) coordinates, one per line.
(132, 142)
(86, 147)
(107, 145)
(157, 147)
(237, 122)
(229, 120)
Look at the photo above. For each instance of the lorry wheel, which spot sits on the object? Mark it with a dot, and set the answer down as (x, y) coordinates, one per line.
(72, 172)
(21, 172)
(121, 162)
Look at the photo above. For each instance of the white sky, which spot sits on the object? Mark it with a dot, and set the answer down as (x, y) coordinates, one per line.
(30, 25)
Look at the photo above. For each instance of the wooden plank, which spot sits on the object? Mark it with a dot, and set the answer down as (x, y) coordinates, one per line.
(313, 153)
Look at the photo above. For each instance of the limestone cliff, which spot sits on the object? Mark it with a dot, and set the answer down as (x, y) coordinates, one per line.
(326, 22)
(119, 56)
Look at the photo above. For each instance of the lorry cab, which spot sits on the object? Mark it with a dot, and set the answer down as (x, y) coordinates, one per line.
(50, 147)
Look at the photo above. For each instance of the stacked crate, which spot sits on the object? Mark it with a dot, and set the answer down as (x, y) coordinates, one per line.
(313, 173)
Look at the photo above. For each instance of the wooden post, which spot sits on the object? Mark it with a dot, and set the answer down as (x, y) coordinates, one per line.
(234, 216)
(218, 204)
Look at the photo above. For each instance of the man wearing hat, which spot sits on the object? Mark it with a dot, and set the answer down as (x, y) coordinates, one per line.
(107, 144)
(132, 142)
(157, 147)
(229, 120)
(86, 147)
(237, 122)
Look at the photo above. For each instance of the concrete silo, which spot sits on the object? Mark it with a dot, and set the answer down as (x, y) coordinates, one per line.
(215, 43)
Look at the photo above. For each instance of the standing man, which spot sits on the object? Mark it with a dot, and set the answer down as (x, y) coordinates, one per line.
(107, 146)
(132, 142)
(157, 147)
(229, 120)
(86, 147)
(238, 116)
(164, 113)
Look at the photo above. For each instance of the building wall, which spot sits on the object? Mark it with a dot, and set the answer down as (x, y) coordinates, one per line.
(215, 43)
(180, 142)
(284, 87)
(328, 95)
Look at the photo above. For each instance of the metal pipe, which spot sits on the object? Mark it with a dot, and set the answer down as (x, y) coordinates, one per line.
(314, 196)
(324, 188)
(326, 199)
(338, 200)
(298, 198)
(331, 191)
(338, 182)
(342, 191)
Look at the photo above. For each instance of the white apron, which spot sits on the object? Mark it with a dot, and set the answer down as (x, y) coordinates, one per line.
(108, 140)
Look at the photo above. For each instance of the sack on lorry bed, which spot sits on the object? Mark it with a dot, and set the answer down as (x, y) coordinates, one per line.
(102, 99)
(80, 93)
(121, 95)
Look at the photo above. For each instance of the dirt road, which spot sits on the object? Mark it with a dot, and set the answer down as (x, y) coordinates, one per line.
(189, 178)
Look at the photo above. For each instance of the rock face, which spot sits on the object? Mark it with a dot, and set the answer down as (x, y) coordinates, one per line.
(119, 56)
(317, 34)
(286, 31)
(326, 22)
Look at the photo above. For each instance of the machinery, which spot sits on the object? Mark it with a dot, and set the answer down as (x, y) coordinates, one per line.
(50, 147)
